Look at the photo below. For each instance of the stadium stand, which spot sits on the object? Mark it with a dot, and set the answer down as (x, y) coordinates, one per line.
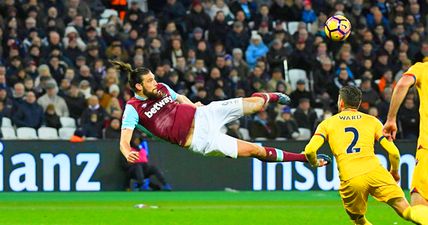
(60, 53)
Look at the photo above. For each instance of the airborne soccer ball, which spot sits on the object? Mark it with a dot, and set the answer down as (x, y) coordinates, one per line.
(337, 28)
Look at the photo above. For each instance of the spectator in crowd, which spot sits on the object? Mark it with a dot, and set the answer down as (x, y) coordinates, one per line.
(7, 103)
(422, 55)
(304, 115)
(383, 105)
(369, 96)
(323, 78)
(221, 6)
(277, 77)
(197, 17)
(85, 88)
(300, 93)
(18, 94)
(51, 98)
(308, 14)
(300, 57)
(43, 79)
(75, 101)
(408, 116)
(3, 81)
(284, 11)
(237, 38)
(381, 65)
(262, 127)
(239, 64)
(233, 130)
(387, 80)
(219, 29)
(28, 113)
(343, 79)
(51, 118)
(113, 130)
(93, 117)
(286, 125)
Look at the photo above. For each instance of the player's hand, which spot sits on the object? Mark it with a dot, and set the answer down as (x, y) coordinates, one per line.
(323, 160)
(132, 156)
(390, 130)
(395, 175)
(197, 104)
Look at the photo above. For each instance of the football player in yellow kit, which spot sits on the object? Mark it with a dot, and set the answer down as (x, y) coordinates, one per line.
(351, 135)
(417, 75)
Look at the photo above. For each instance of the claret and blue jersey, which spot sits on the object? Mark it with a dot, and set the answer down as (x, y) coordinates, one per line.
(163, 117)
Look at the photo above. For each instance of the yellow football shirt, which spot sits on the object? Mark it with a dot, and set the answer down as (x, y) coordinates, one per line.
(419, 72)
(351, 136)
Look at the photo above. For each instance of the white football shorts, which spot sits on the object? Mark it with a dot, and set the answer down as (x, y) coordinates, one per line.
(207, 137)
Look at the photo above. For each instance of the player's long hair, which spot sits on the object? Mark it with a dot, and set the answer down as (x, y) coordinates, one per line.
(135, 76)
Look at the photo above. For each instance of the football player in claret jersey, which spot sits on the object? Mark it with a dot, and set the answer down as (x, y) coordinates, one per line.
(159, 110)
(417, 75)
(351, 136)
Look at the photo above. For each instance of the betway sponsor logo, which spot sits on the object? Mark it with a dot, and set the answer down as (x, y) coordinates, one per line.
(157, 106)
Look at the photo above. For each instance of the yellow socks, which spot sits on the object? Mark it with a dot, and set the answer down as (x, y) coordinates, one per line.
(417, 213)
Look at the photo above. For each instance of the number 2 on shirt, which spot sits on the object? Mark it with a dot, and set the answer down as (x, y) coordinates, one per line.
(351, 148)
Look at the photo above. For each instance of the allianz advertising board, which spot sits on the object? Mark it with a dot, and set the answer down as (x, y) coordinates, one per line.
(99, 166)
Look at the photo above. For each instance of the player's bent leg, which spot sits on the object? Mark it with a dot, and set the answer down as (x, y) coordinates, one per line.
(267, 154)
(252, 105)
(399, 205)
(417, 214)
(258, 101)
(417, 199)
(270, 154)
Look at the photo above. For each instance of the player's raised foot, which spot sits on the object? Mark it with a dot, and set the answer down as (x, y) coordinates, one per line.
(323, 160)
(281, 98)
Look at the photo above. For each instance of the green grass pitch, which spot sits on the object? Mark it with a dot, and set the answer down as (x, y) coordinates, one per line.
(202, 208)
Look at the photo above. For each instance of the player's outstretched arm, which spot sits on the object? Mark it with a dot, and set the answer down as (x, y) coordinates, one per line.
(394, 157)
(400, 91)
(311, 149)
(125, 146)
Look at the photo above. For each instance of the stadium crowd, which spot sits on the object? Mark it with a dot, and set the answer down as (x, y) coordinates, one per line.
(54, 58)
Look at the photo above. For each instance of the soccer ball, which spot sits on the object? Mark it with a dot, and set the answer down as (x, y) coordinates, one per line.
(337, 28)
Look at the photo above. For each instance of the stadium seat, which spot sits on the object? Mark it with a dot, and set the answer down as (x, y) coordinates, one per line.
(67, 122)
(91, 139)
(48, 133)
(292, 27)
(260, 139)
(6, 122)
(245, 133)
(320, 112)
(305, 134)
(65, 133)
(297, 74)
(280, 139)
(8, 133)
(26, 133)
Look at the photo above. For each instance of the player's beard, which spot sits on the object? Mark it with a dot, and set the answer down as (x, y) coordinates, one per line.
(154, 94)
